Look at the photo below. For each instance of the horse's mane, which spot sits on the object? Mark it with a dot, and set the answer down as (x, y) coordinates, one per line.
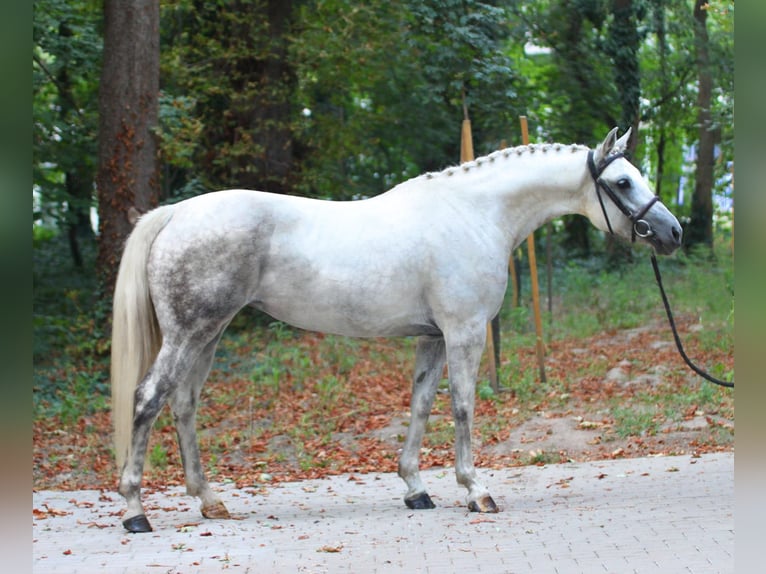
(506, 153)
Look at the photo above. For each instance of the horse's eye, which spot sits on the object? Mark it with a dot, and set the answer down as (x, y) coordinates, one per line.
(623, 184)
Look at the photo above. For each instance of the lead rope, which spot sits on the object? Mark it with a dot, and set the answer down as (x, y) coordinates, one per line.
(692, 366)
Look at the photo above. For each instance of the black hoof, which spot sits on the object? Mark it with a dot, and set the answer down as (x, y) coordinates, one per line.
(420, 502)
(137, 524)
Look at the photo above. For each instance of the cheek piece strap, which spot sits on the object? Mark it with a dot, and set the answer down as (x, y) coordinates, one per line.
(641, 227)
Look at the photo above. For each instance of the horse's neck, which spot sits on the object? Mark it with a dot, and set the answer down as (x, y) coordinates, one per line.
(522, 188)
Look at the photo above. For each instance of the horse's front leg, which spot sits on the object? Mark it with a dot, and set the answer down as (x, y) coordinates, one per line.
(463, 358)
(429, 364)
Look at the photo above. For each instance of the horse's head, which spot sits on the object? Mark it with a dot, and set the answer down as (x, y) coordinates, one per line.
(621, 202)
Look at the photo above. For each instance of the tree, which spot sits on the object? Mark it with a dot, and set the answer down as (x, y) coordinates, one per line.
(226, 63)
(667, 85)
(623, 45)
(577, 96)
(700, 228)
(65, 58)
(373, 119)
(127, 177)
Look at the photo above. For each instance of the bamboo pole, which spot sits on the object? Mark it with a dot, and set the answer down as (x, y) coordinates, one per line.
(466, 154)
(533, 274)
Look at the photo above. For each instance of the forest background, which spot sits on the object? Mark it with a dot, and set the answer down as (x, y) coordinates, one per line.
(139, 102)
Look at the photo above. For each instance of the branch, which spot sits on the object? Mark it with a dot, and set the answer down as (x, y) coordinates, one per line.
(665, 98)
(64, 93)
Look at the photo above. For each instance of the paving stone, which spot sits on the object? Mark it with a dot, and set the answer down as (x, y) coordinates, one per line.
(660, 514)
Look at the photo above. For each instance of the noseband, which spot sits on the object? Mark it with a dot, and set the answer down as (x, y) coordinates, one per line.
(641, 227)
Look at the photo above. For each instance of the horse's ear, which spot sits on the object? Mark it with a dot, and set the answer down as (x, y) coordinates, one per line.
(606, 146)
(622, 144)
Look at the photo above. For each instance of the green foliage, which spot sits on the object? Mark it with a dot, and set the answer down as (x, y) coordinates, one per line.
(66, 55)
(361, 104)
(227, 108)
(341, 99)
(628, 297)
(70, 348)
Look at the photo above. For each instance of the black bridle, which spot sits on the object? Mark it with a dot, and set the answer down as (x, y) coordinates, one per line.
(643, 229)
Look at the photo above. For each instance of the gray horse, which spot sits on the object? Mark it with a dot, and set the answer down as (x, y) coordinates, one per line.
(429, 258)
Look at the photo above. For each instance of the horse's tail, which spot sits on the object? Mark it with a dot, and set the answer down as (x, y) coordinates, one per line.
(136, 336)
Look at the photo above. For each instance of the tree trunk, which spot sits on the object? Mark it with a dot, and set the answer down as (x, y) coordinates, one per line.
(700, 228)
(128, 107)
(624, 45)
(662, 52)
(248, 114)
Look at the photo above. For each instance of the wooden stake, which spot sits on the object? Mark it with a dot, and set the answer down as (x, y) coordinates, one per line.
(533, 275)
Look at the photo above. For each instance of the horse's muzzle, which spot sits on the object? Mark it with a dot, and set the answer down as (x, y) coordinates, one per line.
(665, 242)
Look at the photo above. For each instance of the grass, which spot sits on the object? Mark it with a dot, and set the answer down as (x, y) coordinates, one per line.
(633, 421)
(589, 299)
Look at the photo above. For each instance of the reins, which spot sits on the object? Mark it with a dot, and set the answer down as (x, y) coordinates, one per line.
(642, 228)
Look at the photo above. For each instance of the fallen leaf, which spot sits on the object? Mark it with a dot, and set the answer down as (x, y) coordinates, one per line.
(331, 549)
(590, 425)
(480, 520)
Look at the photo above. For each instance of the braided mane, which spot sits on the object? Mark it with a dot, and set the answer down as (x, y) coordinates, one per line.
(503, 154)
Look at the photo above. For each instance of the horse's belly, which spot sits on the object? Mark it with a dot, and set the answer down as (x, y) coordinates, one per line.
(339, 311)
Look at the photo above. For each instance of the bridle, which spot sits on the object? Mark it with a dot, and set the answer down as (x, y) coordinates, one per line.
(641, 227)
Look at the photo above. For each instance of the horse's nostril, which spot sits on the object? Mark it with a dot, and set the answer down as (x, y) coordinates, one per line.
(676, 234)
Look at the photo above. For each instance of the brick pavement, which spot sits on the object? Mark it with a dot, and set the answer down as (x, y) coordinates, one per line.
(664, 514)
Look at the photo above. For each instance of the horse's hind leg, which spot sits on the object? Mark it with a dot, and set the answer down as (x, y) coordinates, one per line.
(429, 363)
(178, 371)
(183, 403)
(151, 396)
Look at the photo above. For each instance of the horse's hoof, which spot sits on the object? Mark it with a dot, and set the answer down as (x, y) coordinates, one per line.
(217, 510)
(137, 523)
(484, 504)
(420, 502)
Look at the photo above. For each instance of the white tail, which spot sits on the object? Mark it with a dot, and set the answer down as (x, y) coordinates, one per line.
(136, 336)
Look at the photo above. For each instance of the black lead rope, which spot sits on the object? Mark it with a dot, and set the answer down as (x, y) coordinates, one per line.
(687, 360)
